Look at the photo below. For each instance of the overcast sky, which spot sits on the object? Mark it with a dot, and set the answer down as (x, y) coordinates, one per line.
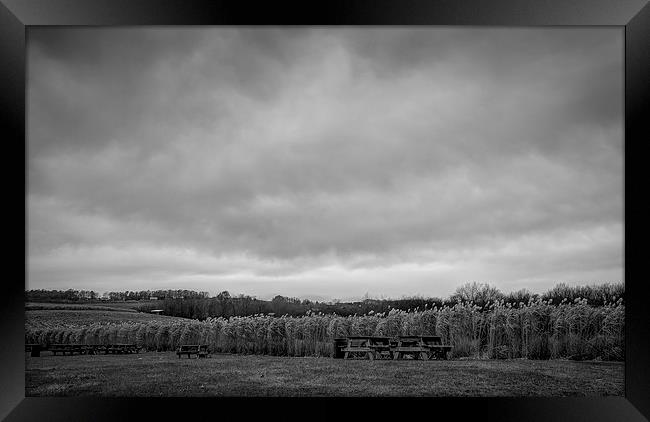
(323, 162)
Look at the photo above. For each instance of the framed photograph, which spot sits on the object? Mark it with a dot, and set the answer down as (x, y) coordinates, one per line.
(384, 211)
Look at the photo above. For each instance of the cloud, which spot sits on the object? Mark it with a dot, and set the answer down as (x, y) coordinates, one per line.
(301, 149)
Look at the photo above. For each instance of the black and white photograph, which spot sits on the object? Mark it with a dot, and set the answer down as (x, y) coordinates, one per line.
(325, 211)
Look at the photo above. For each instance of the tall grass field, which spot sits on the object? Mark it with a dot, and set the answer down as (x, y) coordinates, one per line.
(534, 330)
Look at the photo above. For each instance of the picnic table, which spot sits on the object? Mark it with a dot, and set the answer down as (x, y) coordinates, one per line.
(71, 349)
(339, 345)
(117, 348)
(34, 349)
(200, 350)
(92, 349)
(381, 347)
(359, 346)
(437, 350)
(377, 347)
(410, 346)
(121, 348)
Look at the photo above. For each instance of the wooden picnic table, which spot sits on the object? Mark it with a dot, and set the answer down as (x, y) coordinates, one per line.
(378, 347)
(116, 348)
(64, 348)
(30, 346)
(437, 350)
(200, 350)
(204, 351)
(34, 349)
(122, 348)
(359, 346)
(340, 343)
(410, 345)
(381, 347)
(92, 349)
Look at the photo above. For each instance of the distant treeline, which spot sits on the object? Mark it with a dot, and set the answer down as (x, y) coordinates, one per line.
(199, 305)
(80, 296)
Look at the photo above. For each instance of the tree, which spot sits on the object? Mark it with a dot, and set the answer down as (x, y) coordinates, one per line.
(225, 301)
(478, 293)
(522, 295)
(279, 305)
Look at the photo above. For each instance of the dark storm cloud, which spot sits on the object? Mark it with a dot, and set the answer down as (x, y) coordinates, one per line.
(302, 149)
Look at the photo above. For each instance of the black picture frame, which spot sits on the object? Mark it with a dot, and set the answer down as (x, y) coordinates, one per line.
(632, 15)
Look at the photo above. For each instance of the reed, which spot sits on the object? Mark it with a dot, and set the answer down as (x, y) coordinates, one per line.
(538, 329)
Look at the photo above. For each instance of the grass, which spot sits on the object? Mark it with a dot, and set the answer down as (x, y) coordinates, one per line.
(163, 374)
(46, 318)
(128, 306)
(32, 306)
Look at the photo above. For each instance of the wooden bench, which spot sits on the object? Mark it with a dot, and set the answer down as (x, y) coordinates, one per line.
(437, 350)
(200, 350)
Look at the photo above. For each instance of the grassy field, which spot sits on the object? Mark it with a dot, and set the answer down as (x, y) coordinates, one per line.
(34, 306)
(45, 318)
(163, 374)
(131, 305)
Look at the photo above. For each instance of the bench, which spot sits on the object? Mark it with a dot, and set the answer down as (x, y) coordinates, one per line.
(200, 350)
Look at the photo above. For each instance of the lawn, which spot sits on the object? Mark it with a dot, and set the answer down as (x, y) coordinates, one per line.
(163, 374)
